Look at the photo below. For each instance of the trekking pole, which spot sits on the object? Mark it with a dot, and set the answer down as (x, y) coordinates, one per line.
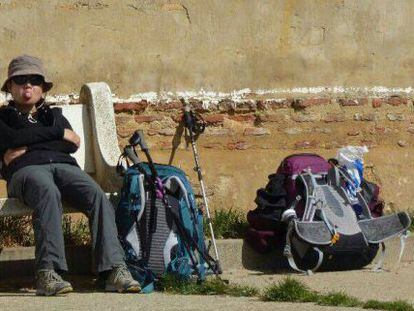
(138, 139)
(194, 127)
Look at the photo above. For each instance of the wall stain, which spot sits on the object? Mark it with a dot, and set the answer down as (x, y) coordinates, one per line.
(142, 7)
(104, 27)
(284, 41)
(176, 7)
(9, 33)
(6, 3)
(160, 6)
(84, 4)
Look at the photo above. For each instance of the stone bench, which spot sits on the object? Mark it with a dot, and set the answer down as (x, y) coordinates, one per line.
(94, 121)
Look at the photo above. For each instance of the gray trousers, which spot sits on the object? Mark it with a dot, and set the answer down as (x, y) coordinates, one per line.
(42, 188)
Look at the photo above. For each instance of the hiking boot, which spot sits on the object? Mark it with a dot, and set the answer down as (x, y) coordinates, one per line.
(50, 283)
(120, 279)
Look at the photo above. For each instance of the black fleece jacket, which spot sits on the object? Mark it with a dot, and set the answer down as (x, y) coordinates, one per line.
(42, 134)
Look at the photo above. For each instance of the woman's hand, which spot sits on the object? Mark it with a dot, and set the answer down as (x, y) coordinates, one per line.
(12, 154)
(72, 137)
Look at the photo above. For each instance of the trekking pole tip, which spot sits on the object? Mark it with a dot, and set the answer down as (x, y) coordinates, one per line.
(218, 268)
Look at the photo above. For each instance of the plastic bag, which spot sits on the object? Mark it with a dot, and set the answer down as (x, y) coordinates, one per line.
(347, 156)
(351, 160)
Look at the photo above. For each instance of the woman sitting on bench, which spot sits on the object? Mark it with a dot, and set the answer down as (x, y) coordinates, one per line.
(35, 145)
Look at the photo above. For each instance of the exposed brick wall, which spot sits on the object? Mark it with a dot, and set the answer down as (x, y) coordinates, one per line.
(324, 123)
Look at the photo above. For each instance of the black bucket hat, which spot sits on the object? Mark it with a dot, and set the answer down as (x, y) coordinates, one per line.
(26, 65)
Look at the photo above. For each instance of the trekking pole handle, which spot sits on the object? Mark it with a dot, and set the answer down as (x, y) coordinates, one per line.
(188, 118)
(134, 139)
(129, 152)
(138, 139)
(142, 142)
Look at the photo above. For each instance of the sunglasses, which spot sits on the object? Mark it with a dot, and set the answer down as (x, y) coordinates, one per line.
(32, 79)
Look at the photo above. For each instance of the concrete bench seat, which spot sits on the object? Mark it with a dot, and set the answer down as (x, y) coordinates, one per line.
(94, 121)
(13, 207)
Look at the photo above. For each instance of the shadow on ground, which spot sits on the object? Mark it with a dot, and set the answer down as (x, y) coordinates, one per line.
(21, 286)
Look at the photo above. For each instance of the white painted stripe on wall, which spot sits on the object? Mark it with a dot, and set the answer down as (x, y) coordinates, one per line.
(238, 96)
(211, 97)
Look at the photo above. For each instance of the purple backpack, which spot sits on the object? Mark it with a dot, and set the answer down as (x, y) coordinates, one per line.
(266, 231)
(294, 165)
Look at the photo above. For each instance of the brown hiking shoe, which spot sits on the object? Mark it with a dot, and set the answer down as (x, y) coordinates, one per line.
(121, 280)
(49, 283)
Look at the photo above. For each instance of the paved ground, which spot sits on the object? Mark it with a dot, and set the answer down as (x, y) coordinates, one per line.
(363, 284)
(104, 301)
(396, 282)
(18, 294)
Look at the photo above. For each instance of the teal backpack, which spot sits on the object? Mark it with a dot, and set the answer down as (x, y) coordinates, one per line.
(160, 226)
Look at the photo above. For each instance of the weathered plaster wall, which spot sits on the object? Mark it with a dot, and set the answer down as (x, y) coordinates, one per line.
(270, 77)
(172, 45)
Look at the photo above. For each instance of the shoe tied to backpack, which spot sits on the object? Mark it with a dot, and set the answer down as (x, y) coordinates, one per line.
(50, 283)
(122, 281)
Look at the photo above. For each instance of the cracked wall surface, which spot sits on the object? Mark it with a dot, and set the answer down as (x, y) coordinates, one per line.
(171, 45)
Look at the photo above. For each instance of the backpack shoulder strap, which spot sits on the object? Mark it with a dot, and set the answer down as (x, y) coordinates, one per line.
(311, 199)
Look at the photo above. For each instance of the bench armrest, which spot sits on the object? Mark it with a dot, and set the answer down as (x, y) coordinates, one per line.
(97, 97)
